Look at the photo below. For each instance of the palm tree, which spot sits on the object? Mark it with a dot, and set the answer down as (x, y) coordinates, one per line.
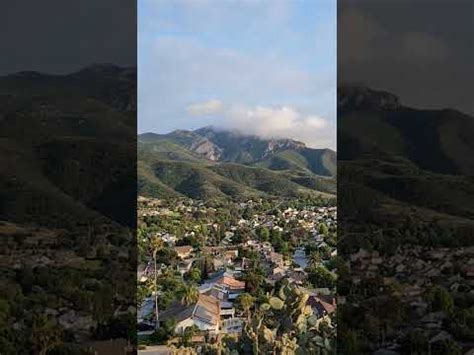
(314, 259)
(253, 280)
(156, 245)
(190, 295)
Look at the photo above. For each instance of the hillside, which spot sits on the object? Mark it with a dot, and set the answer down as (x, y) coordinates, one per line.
(67, 185)
(398, 161)
(209, 163)
(58, 130)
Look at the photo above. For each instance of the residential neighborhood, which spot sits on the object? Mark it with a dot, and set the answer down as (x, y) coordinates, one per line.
(421, 292)
(223, 266)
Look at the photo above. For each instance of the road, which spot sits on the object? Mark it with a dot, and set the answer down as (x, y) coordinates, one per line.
(155, 350)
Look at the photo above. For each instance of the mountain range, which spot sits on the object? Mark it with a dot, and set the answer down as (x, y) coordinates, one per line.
(57, 130)
(68, 145)
(211, 162)
(396, 161)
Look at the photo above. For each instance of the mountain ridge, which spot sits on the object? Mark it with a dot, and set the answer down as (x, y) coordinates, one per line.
(217, 144)
(229, 163)
(395, 160)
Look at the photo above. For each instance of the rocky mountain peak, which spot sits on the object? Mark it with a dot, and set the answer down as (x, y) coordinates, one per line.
(274, 145)
(207, 149)
(363, 98)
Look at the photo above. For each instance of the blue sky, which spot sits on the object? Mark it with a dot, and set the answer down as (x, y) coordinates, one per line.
(261, 67)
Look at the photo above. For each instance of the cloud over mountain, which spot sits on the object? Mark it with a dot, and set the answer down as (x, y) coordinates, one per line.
(205, 108)
(268, 122)
(264, 54)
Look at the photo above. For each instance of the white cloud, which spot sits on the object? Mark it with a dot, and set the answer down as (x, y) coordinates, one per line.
(249, 51)
(269, 122)
(205, 108)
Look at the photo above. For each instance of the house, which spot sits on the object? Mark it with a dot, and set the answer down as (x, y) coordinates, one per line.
(276, 258)
(231, 254)
(169, 238)
(360, 255)
(410, 290)
(205, 314)
(223, 286)
(227, 310)
(297, 277)
(469, 272)
(322, 305)
(278, 273)
(279, 270)
(228, 235)
(232, 326)
(184, 266)
(214, 251)
(184, 251)
(228, 288)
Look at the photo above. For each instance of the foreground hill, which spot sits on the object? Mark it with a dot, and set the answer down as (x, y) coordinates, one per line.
(209, 163)
(67, 182)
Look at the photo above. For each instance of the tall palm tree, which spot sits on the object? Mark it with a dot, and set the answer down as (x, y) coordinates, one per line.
(156, 245)
(190, 295)
(314, 259)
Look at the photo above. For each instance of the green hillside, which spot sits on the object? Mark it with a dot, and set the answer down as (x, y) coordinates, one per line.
(213, 144)
(318, 161)
(168, 166)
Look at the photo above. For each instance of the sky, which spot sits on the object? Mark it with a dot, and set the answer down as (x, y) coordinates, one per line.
(60, 37)
(426, 59)
(260, 67)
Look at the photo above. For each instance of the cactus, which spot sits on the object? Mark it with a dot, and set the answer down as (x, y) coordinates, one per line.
(276, 303)
(291, 327)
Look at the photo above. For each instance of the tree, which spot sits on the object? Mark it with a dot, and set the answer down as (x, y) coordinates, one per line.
(45, 335)
(190, 295)
(440, 300)
(142, 293)
(187, 335)
(314, 259)
(246, 301)
(102, 304)
(323, 229)
(253, 280)
(351, 341)
(195, 274)
(321, 277)
(156, 246)
(264, 234)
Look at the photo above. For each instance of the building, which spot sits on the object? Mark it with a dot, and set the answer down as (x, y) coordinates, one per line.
(184, 251)
(322, 306)
(225, 288)
(205, 314)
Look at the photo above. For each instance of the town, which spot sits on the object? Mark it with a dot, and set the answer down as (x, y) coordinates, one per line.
(239, 277)
(423, 292)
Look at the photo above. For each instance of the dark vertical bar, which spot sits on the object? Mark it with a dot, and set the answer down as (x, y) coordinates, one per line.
(405, 193)
(68, 177)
